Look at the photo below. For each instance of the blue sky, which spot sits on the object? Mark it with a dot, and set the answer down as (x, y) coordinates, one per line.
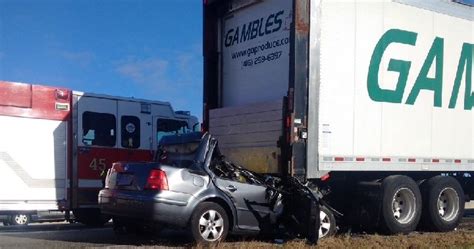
(145, 49)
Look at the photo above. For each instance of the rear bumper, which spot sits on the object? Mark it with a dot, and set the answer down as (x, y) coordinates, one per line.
(163, 207)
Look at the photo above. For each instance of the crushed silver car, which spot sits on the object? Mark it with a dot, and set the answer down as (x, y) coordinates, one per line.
(191, 185)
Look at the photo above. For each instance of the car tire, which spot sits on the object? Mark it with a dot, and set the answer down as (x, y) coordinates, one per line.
(327, 227)
(401, 205)
(209, 223)
(443, 204)
(19, 219)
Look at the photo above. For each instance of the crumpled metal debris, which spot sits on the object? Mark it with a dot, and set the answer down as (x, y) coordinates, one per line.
(294, 205)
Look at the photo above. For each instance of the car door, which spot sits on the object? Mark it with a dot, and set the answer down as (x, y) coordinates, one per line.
(252, 206)
(250, 200)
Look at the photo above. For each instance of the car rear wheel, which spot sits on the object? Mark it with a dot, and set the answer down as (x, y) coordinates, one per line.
(20, 219)
(209, 223)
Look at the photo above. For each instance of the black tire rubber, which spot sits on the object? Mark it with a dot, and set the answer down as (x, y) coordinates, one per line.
(13, 221)
(431, 189)
(390, 186)
(332, 221)
(90, 217)
(194, 222)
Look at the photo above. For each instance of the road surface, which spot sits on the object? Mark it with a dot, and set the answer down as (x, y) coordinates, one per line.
(65, 235)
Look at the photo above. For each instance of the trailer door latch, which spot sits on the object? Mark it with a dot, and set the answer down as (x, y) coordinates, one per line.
(302, 133)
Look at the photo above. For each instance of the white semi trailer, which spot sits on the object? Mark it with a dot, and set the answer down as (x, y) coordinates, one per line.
(370, 102)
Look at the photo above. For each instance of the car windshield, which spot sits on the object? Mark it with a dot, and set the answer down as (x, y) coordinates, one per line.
(179, 150)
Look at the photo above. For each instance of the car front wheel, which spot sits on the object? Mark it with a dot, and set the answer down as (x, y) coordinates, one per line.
(209, 223)
(327, 227)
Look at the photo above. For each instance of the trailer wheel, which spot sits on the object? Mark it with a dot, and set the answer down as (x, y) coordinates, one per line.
(443, 204)
(19, 219)
(327, 227)
(401, 204)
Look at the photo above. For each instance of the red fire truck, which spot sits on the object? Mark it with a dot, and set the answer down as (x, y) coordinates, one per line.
(55, 143)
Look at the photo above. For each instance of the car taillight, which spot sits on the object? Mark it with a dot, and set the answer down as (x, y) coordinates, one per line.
(157, 180)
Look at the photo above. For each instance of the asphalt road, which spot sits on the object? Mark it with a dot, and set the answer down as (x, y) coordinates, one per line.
(65, 235)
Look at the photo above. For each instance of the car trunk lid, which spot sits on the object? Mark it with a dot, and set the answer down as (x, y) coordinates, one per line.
(179, 156)
(130, 176)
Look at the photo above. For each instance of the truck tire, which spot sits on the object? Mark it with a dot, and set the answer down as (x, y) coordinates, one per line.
(401, 205)
(209, 223)
(443, 204)
(19, 219)
(327, 227)
(90, 217)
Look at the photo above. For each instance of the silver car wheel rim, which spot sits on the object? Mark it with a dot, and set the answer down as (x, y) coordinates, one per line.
(404, 205)
(325, 224)
(448, 204)
(21, 219)
(211, 225)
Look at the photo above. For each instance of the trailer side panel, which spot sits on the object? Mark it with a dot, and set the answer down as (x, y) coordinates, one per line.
(393, 80)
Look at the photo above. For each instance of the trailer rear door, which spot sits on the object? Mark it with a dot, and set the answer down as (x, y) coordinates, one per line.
(246, 97)
(255, 44)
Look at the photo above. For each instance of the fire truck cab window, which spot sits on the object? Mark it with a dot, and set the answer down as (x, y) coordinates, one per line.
(465, 2)
(98, 129)
(166, 127)
(130, 132)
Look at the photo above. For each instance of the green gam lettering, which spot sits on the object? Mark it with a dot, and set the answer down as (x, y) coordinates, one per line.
(402, 67)
(465, 62)
(435, 84)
